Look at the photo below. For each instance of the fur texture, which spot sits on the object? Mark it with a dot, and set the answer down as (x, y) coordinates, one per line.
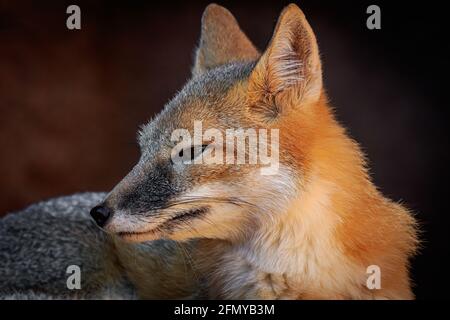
(39, 243)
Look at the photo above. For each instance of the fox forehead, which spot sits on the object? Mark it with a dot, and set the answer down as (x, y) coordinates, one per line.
(206, 98)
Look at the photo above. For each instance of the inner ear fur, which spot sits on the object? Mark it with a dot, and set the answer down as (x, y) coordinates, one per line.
(290, 68)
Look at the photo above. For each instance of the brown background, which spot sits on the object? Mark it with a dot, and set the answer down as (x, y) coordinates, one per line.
(71, 101)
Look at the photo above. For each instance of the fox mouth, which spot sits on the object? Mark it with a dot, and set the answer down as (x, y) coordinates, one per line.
(166, 227)
(136, 236)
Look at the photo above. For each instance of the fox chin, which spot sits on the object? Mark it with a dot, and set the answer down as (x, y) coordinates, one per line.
(311, 229)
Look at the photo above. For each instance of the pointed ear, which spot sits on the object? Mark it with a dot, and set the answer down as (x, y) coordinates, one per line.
(290, 68)
(221, 41)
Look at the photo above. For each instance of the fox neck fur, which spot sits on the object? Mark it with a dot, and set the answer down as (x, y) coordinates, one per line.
(320, 239)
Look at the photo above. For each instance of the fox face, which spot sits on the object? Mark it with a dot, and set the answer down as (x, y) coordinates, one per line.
(189, 182)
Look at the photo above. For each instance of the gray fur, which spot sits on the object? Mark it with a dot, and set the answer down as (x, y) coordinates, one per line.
(38, 243)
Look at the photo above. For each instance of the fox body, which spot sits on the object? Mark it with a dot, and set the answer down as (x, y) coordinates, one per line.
(172, 230)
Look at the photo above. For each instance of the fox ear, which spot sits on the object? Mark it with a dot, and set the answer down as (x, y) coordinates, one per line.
(221, 41)
(290, 67)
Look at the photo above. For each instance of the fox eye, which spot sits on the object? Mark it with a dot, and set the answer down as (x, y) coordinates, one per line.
(191, 153)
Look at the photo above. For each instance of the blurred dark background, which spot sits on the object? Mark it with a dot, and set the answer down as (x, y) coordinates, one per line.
(71, 101)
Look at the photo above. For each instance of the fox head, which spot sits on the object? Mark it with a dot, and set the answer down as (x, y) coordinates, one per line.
(233, 86)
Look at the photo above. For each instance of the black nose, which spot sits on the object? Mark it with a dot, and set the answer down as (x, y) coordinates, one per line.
(100, 215)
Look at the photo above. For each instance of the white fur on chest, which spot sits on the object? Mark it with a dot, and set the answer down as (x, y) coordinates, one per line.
(292, 255)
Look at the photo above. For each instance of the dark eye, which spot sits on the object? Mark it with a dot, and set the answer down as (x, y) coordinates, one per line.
(191, 153)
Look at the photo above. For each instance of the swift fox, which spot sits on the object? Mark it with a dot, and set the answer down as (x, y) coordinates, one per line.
(170, 229)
